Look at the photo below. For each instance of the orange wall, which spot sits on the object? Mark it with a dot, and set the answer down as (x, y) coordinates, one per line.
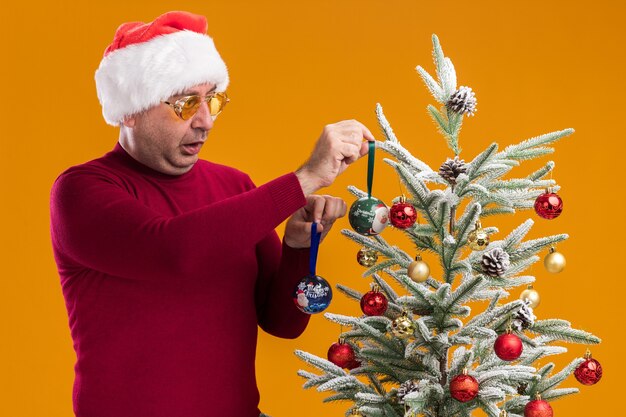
(535, 66)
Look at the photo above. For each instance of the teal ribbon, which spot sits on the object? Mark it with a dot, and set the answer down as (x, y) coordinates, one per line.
(370, 167)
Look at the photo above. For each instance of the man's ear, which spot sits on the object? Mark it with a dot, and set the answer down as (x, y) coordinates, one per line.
(130, 121)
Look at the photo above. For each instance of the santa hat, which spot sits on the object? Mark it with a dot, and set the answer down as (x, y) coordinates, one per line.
(149, 62)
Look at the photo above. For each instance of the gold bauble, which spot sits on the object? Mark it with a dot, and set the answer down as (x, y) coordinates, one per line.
(554, 261)
(403, 326)
(355, 412)
(530, 296)
(418, 270)
(478, 239)
(367, 257)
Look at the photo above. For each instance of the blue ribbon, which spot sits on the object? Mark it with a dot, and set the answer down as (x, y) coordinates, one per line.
(315, 244)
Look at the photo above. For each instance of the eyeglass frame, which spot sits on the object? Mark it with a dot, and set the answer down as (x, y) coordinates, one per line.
(178, 104)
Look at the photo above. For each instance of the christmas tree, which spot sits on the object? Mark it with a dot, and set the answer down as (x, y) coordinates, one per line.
(424, 352)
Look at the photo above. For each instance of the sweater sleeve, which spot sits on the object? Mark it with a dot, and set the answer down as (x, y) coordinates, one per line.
(280, 270)
(95, 222)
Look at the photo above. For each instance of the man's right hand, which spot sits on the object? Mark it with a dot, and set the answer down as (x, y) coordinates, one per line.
(339, 145)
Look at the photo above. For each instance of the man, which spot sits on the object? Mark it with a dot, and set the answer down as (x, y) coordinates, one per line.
(168, 263)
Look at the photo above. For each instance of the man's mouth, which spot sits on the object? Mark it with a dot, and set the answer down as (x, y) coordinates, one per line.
(192, 148)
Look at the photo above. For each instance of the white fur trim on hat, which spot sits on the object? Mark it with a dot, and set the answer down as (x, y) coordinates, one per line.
(139, 76)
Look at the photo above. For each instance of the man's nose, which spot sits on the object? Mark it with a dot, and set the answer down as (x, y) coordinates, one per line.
(202, 119)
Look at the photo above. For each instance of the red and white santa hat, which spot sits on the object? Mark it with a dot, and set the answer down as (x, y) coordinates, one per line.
(149, 62)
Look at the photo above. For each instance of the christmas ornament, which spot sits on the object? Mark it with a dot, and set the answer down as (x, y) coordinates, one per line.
(402, 215)
(451, 169)
(478, 239)
(495, 262)
(538, 408)
(508, 346)
(589, 372)
(503, 413)
(463, 387)
(368, 216)
(548, 205)
(403, 326)
(405, 388)
(524, 318)
(418, 270)
(355, 412)
(367, 257)
(554, 261)
(342, 355)
(354, 364)
(374, 303)
(531, 297)
(462, 101)
(313, 293)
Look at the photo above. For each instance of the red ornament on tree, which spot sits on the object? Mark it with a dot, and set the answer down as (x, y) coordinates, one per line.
(374, 303)
(538, 408)
(402, 215)
(463, 387)
(354, 364)
(589, 372)
(342, 355)
(508, 346)
(548, 205)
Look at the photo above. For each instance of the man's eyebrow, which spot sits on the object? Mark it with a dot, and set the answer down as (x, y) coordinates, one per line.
(193, 93)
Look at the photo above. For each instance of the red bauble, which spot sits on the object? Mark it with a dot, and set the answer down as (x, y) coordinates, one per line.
(508, 347)
(538, 408)
(402, 215)
(463, 388)
(589, 372)
(354, 364)
(374, 303)
(342, 355)
(548, 205)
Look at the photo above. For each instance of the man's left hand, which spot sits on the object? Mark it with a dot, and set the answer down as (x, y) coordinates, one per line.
(323, 209)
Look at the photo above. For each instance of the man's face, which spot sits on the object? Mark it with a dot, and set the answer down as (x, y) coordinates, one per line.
(161, 140)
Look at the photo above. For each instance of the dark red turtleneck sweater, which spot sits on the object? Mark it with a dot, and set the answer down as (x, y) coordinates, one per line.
(165, 279)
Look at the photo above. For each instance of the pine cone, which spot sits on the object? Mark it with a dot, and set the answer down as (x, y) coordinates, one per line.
(495, 262)
(452, 168)
(524, 318)
(462, 101)
(405, 388)
(521, 389)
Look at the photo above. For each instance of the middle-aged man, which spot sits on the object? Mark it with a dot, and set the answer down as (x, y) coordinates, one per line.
(167, 262)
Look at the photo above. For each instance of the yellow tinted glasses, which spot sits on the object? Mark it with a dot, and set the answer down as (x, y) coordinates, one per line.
(187, 106)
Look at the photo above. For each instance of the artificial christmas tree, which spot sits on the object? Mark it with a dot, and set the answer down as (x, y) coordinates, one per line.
(428, 348)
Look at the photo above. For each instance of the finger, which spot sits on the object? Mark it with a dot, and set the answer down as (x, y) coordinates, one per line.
(330, 209)
(350, 152)
(317, 208)
(342, 208)
(335, 208)
(361, 129)
(320, 228)
(351, 135)
(365, 149)
(305, 235)
(310, 202)
(366, 133)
